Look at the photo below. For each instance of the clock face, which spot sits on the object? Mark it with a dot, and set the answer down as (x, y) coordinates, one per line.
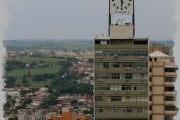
(121, 7)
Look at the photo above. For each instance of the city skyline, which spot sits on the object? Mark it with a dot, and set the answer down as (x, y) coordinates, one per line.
(84, 19)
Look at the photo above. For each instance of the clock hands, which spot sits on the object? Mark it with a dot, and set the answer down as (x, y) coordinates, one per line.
(121, 4)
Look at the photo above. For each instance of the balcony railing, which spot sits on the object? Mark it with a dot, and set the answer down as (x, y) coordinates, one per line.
(120, 104)
(118, 115)
(117, 81)
(121, 47)
(120, 92)
(122, 70)
(124, 58)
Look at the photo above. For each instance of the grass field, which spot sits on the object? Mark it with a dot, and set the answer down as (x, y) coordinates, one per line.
(35, 71)
(18, 74)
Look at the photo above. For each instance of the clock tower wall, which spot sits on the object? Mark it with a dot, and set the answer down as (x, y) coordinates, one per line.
(121, 31)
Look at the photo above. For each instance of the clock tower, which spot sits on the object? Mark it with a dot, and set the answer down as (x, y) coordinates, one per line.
(121, 68)
(121, 19)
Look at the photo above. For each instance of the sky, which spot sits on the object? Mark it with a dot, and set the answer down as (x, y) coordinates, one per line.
(84, 19)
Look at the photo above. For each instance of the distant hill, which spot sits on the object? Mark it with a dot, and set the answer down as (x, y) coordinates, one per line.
(66, 44)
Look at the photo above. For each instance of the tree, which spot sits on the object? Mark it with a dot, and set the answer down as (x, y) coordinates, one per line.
(13, 118)
(27, 101)
(10, 82)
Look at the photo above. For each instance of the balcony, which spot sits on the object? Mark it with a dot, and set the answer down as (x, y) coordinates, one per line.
(118, 92)
(124, 58)
(120, 104)
(119, 115)
(173, 113)
(122, 70)
(170, 93)
(171, 74)
(169, 83)
(171, 64)
(117, 81)
(170, 102)
(171, 110)
(128, 47)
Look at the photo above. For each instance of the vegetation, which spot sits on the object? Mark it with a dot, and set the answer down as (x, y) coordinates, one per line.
(48, 44)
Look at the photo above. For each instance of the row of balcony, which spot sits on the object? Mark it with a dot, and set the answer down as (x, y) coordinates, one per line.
(122, 70)
(118, 115)
(120, 92)
(167, 112)
(117, 81)
(128, 47)
(116, 58)
(172, 93)
(120, 104)
(162, 84)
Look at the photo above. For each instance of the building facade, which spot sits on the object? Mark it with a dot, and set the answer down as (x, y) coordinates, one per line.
(161, 83)
(133, 80)
(121, 68)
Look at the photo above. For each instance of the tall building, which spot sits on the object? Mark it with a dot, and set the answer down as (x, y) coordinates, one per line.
(121, 68)
(161, 83)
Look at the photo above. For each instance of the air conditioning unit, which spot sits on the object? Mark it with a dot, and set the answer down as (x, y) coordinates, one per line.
(142, 57)
(139, 68)
(127, 68)
(100, 80)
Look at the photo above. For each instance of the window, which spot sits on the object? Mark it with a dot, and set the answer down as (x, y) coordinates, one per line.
(116, 65)
(170, 79)
(170, 70)
(170, 89)
(169, 98)
(99, 65)
(126, 87)
(170, 108)
(100, 110)
(115, 98)
(103, 42)
(128, 76)
(106, 65)
(115, 87)
(115, 76)
(99, 98)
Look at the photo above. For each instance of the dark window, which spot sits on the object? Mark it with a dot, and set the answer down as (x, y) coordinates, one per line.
(115, 76)
(126, 87)
(155, 59)
(170, 108)
(97, 42)
(106, 65)
(169, 118)
(170, 79)
(150, 79)
(170, 89)
(128, 76)
(169, 98)
(101, 110)
(116, 65)
(140, 42)
(150, 98)
(99, 98)
(115, 98)
(170, 70)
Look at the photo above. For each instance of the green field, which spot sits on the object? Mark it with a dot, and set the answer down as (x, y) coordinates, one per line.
(35, 71)
(18, 74)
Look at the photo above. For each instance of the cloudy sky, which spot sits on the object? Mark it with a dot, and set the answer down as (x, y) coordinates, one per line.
(59, 19)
